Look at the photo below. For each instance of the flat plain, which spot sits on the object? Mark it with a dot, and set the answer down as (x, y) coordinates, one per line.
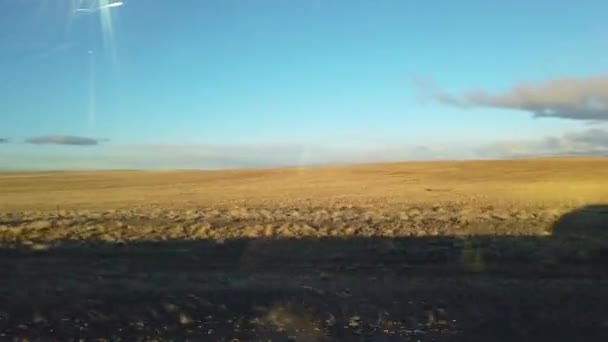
(474, 250)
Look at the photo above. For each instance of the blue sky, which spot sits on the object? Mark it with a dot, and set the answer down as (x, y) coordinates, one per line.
(236, 83)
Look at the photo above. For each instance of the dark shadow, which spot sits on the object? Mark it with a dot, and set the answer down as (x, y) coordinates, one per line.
(587, 222)
(322, 289)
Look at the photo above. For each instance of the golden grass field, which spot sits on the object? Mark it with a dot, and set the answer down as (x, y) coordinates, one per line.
(547, 182)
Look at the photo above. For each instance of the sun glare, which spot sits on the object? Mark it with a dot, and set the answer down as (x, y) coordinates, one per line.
(104, 8)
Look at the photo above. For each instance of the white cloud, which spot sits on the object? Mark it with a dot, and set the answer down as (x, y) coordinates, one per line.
(566, 98)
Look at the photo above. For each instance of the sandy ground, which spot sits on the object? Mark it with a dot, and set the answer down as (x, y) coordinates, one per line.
(412, 251)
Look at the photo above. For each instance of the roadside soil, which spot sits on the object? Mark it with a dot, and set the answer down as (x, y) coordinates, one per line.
(394, 273)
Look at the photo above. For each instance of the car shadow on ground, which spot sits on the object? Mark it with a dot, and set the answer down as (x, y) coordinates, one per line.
(589, 221)
(353, 288)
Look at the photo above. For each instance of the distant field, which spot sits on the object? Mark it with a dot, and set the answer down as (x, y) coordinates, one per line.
(570, 182)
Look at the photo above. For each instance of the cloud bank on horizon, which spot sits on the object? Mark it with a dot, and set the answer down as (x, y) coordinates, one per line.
(564, 98)
(588, 142)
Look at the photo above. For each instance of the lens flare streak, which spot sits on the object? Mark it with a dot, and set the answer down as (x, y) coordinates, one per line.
(104, 7)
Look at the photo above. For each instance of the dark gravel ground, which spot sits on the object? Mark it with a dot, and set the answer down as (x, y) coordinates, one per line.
(352, 307)
(304, 274)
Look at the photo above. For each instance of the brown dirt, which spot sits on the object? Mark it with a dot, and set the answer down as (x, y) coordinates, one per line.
(414, 251)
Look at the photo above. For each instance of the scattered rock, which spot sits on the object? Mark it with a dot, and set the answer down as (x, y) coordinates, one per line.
(252, 231)
(388, 233)
(107, 238)
(39, 247)
(522, 214)
(349, 231)
(192, 214)
(41, 224)
(484, 216)
(94, 216)
(286, 230)
(265, 214)
(404, 216)
(463, 220)
(414, 212)
(354, 322)
(306, 230)
(268, 231)
(443, 218)
(500, 216)
(438, 208)
(65, 222)
(184, 319)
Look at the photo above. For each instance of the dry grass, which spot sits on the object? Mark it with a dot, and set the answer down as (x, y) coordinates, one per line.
(547, 182)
